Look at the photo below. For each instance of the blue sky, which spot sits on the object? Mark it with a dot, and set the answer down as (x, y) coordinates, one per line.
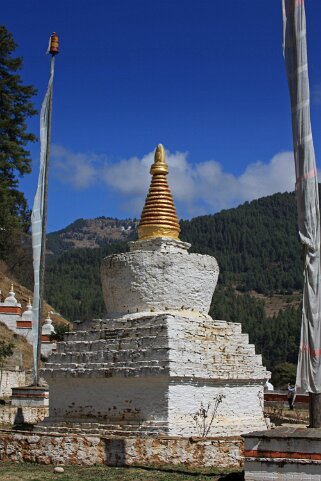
(205, 77)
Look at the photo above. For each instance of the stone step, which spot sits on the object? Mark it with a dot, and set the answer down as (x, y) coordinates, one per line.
(122, 333)
(118, 429)
(190, 326)
(46, 424)
(202, 322)
(118, 358)
(98, 324)
(113, 344)
(112, 367)
(110, 356)
(154, 341)
(199, 372)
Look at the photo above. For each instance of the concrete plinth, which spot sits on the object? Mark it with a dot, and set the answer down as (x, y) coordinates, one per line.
(283, 454)
(31, 396)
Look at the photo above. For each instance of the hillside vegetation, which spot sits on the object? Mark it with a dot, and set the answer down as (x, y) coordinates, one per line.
(22, 350)
(256, 244)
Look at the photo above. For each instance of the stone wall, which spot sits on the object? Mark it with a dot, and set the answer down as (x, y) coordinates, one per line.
(10, 320)
(126, 451)
(9, 379)
(25, 414)
(24, 332)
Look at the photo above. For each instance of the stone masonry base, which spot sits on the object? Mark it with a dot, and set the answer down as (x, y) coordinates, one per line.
(283, 454)
(15, 415)
(88, 450)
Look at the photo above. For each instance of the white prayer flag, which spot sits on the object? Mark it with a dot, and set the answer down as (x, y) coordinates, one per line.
(38, 213)
(306, 188)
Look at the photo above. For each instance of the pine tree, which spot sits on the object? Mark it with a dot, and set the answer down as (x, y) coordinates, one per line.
(15, 107)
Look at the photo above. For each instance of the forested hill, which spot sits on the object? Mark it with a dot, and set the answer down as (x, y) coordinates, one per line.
(256, 244)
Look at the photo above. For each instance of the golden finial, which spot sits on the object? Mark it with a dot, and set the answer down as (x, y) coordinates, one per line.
(159, 218)
(11, 289)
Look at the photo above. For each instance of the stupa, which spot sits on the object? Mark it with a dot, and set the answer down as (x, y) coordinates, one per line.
(158, 364)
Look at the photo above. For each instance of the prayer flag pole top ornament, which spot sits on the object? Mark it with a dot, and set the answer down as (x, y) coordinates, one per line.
(159, 217)
(53, 44)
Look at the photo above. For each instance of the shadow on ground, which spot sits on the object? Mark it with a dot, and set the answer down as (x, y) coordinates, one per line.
(212, 474)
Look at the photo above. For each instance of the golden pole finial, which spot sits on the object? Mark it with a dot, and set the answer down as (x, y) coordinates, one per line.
(159, 218)
(53, 48)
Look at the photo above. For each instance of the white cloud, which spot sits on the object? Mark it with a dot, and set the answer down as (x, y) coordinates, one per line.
(78, 170)
(197, 188)
(261, 179)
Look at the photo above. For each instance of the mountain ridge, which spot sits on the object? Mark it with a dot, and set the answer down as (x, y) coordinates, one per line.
(91, 233)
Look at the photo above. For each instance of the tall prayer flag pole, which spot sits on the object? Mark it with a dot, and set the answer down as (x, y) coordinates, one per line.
(39, 214)
(307, 195)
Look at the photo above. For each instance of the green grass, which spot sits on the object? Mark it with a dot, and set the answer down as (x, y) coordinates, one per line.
(36, 472)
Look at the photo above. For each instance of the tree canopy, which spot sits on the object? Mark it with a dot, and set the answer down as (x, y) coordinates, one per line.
(15, 107)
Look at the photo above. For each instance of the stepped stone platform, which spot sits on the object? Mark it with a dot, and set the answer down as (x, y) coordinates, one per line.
(154, 374)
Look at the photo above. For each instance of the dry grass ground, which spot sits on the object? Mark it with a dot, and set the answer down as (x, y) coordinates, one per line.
(35, 472)
(22, 356)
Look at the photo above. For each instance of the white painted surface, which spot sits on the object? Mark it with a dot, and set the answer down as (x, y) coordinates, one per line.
(26, 333)
(114, 400)
(161, 275)
(157, 372)
(29, 402)
(47, 348)
(9, 379)
(282, 470)
(10, 320)
(191, 409)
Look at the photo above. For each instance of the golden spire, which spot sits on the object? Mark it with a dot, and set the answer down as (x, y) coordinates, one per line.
(159, 218)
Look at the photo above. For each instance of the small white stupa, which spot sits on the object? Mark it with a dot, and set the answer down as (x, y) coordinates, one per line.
(24, 324)
(10, 310)
(11, 300)
(47, 345)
